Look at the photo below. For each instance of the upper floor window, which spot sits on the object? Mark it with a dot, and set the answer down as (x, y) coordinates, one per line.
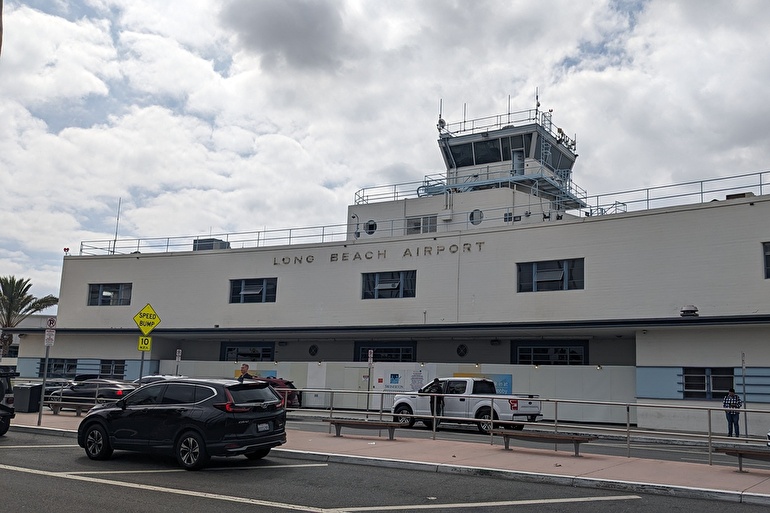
(550, 275)
(389, 284)
(425, 224)
(109, 294)
(253, 290)
(766, 247)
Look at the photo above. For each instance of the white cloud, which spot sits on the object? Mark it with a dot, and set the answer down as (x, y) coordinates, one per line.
(204, 116)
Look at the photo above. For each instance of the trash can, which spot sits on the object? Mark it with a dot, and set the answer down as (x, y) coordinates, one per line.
(26, 397)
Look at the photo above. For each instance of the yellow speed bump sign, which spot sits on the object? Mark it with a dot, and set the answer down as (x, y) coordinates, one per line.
(147, 319)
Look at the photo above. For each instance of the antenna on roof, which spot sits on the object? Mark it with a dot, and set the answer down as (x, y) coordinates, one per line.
(117, 223)
(537, 102)
(441, 123)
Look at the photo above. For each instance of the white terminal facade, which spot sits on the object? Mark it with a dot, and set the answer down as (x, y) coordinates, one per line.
(500, 265)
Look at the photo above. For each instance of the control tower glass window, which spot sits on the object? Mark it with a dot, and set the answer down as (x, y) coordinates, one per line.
(487, 151)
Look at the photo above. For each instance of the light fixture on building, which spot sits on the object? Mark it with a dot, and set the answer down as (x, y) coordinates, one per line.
(598, 367)
(537, 366)
(689, 311)
(477, 365)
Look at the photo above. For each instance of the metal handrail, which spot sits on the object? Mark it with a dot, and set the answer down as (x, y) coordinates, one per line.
(701, 191)
(629, 432)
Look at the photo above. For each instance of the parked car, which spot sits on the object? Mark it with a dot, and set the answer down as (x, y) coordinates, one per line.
(92, 391)
(153, 378)
(191, 419)
(293, 397)
(53, 384)
(7, 410)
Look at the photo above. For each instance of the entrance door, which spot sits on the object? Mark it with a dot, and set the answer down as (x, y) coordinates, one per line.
(356, 379)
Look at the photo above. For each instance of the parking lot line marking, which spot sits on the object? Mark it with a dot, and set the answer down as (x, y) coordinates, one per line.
(298, 507)
(464, 505)
(171, 470)
(176, 491)
(57, 446)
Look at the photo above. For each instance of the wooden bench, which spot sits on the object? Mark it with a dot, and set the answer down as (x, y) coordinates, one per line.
(57, 406)
(554, 438)
(364, 424)
(752, 453)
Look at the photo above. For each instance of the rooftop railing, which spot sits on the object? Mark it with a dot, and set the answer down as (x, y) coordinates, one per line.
(701, 191)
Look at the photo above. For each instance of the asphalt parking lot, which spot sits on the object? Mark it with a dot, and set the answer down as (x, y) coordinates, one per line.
(51, 473)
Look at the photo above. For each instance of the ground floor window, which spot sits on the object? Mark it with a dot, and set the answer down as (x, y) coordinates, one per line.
(385, 352)
(561, 352)
(247, 351)
(58, 367)
(112, 369)
(706, 382)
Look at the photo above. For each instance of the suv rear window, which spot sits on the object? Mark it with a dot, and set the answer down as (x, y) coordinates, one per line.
(253, 393)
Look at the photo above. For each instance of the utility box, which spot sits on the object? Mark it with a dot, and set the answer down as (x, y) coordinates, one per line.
(27, 397)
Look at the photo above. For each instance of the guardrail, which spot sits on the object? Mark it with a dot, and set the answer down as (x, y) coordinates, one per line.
(336, 404)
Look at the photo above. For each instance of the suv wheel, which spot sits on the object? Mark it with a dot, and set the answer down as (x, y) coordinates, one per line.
(191, 451)
(5, 423)
(258, 455)
(97, 445)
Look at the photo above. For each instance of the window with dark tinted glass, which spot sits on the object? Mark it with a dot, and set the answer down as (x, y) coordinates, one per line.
(253, 290)
(252, 393)
(109, 294)
(391, 284)
(766, 247)
(550, 275)
(145, 395)
(487, 151)
(179, 393)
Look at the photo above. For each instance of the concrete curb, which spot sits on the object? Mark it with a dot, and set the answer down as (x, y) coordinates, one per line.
(573, 481)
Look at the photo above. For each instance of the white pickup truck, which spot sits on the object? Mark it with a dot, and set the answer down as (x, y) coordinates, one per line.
(474, 399)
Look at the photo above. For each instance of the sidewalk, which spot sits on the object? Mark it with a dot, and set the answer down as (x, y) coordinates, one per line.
(541, 465)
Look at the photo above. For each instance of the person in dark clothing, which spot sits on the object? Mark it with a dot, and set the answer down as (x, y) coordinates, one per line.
(245, 373)
(436, 401)
(732, 405)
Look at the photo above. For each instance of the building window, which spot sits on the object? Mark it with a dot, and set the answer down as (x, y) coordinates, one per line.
(59, 367)
(254, 290)
(553, 355)
(391, 284)
(109, 294)
(247, 351)
(766, 247)
(476, 217)
(112, 369)
(550, 275)
(706, 382)
(385, 351)
(417, 225)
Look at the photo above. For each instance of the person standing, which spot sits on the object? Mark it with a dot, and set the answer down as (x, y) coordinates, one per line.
(245, 373)
(436, 400)
(732, 405)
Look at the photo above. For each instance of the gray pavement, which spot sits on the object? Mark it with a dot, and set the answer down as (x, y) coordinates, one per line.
(640, 475)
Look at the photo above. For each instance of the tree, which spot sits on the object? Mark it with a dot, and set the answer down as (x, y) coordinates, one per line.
(16, 304)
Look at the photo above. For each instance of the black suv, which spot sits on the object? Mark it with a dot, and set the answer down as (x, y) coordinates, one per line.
(191, 419)
(7, 411)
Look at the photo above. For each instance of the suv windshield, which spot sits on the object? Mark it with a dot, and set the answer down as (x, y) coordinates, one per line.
(252, 393)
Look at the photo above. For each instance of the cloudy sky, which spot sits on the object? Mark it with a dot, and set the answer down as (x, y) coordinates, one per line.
(203, 116)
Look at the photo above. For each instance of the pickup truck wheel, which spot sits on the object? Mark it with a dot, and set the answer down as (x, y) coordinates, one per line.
(484, 416)
(403, 415)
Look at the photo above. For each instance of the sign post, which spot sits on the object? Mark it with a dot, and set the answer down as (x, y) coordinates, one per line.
(146, 320)
(50, 336)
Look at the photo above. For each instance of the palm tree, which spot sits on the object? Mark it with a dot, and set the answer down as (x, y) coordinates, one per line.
(16, 304)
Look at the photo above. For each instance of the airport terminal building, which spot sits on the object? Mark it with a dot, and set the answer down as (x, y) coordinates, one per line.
(501, 264)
